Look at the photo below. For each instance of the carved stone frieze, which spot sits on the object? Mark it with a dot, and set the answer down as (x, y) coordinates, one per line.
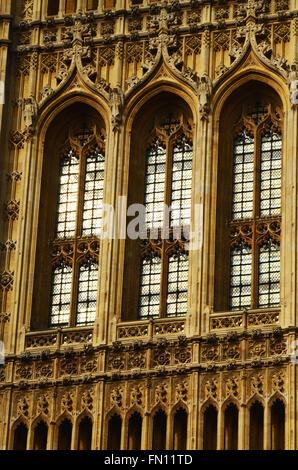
(211, 388)
(136, 395)
(161, 393)
(116, 397)
(87, 400)
(278, 381)
(181, 391)
(256, 349)
(43, 405)
(23, 407)
(67, 402)
(257, 384)
(44, 369)
(24, 372)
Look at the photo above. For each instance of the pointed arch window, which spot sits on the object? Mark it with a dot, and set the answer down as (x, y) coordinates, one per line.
(167, 201)
(256, 202)
(75, 248)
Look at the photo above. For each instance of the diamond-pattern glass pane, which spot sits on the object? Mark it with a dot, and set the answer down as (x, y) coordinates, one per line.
(60, 295)
(87, 293)
(150, 287)
(68, 196)
(181, 184)
(270, 174)
(177, 285)
(240, 277)
(93, 194)
(269, 275)
(243, 172)
(155, 185)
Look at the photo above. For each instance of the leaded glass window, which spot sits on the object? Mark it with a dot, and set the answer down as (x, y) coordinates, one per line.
(243, 175)
(181, 183)
(150, 287)
(269, 273)
(61, 295)
(255, 215)
(177, 284)
(87, 293)
(78, 229)
(68, 196)
(155, 185)
(93, 194)
(240, 277)
(270, 190)
(167, 200)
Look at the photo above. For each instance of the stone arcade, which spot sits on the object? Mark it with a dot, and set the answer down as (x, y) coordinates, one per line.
(117, 343)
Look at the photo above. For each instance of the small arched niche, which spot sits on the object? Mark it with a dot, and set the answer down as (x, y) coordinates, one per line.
(248, 190)
(278, 425)
(40, 436)
(20, 437)
(85, 434)
(231, 427)
(114, 433)
(72, 171)
(256, 426)
(161, 134)
(64, 435)
(159, 430)
(135, 431)
(210, 428)
(180, 429)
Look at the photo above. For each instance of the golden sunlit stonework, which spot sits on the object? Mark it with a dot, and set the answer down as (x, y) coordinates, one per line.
(116, 343)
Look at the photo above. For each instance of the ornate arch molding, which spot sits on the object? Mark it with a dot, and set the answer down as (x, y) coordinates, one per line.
(143, 96)
(275, 397)
(230, 401)
(159, 407)
(56, 107)
(209, 402)
(225, 89)
(40, 418)
(64, 416)
(134, 409)
(180, 405)
(75, 81)
(251, 55)
(19, 420)
(84, 414)
(115, 410)
(164, 67)
(256, 398)
(251, 33)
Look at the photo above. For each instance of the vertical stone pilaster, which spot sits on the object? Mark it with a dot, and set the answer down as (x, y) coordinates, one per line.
(194, 418)
(108, 310)
(24, 254)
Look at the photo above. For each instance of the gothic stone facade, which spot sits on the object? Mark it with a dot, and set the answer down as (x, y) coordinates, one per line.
(113, 57)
